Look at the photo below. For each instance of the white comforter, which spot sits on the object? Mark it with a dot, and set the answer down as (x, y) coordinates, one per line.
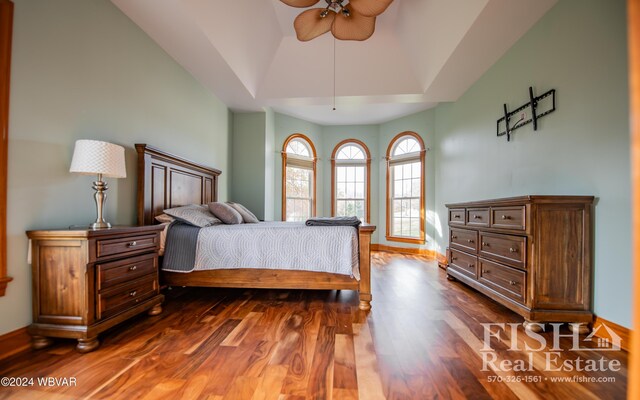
(279, 245)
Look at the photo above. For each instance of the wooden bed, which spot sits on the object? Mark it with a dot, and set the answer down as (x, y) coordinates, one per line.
(166, 180)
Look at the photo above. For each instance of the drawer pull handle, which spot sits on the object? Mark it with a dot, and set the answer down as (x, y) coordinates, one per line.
(486, 271)
(470, 240)
(132, 244)
(456, 216)
(475, 216)
(454, 258)
(506, 217)
(471, 266)
(512, 283)
(133, 268)
(512, 250)
(133, 293)
(454, 237)
(485, 244)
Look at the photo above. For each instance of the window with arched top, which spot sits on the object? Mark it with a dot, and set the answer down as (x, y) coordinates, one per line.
(350, 180)
(298, 178)
(405, 189)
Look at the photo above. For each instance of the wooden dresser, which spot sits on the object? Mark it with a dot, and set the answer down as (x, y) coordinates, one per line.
(531, 254)
(86, 281)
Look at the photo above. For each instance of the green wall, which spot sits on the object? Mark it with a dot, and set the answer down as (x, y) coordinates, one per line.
(82, 70)
(578, 48)
(248, 161)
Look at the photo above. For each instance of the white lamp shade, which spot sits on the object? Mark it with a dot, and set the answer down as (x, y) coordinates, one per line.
(92, 157)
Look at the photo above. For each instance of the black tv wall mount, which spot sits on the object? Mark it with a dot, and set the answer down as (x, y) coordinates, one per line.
(535, 112)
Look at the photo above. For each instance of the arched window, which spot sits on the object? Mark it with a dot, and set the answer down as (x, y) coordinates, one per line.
(405, 188)
(298, 178)
(350, 180)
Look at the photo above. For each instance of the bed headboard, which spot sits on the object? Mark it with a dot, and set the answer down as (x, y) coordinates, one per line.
(166, 181)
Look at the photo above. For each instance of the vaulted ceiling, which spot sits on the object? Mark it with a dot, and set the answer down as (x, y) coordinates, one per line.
(423, 52)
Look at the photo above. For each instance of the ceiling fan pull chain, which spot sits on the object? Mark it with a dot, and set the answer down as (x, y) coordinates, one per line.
(334, 73)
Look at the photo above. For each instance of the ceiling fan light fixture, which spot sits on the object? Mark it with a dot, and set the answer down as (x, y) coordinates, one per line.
(358, 22)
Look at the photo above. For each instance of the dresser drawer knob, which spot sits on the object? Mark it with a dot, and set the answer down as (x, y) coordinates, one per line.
(454, 258)
(486, 271)
(454, 237)
(485, 244)
(470, 240)
(133, 268)
(476, 216)
(471, 266)
(506, 217)
(132, 244)
(512, 283)
(133, 293)
(512, 250)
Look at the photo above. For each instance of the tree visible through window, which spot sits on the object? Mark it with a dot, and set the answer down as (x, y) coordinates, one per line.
(351, 165)
(298, 186)
(405, 187)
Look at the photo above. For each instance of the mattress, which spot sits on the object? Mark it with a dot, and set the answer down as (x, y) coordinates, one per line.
(265, 245)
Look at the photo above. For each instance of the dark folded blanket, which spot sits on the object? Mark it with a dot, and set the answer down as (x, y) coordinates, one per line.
(180, 247)
(334, 221)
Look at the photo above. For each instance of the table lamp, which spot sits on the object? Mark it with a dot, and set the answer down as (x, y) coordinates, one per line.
(93, 157)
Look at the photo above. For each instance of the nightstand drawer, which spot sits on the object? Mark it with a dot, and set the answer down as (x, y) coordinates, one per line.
(115, 272)
(123, 297)
(131, 244)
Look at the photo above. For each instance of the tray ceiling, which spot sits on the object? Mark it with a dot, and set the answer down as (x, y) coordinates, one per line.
(423, 52)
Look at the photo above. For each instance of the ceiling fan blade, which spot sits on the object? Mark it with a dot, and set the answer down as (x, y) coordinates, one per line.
(369, 8)
(354, 27)
(300, 3)
(309, 25)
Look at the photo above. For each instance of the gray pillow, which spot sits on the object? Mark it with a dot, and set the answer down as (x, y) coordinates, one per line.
(194, 214)
(226, 213)
(247, 216)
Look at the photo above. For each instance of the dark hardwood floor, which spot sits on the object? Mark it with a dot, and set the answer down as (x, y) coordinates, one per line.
(421, 340)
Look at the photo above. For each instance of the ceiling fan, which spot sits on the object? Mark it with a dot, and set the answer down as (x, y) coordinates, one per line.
(346, 19)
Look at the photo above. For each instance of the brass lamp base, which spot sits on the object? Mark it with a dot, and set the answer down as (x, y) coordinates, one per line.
(100, 196)
(100, 225)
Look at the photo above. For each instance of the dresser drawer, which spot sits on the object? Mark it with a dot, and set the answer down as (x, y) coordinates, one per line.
(464, 239)
(115, 272)
(120, 298)
(464, 263)
(511, 250)
(456, 216)
(508, 218)
(478, 217)
(127, 245)
(505, 280)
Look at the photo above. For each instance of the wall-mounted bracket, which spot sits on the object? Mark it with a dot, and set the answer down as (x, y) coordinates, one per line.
(533, 104)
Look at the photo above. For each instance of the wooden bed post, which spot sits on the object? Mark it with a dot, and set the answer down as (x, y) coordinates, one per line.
(364, 240)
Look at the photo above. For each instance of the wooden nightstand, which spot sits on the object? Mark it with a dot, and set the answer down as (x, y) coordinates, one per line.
(86, 281)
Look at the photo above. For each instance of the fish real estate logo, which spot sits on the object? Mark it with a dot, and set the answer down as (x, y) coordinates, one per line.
(546, 352)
